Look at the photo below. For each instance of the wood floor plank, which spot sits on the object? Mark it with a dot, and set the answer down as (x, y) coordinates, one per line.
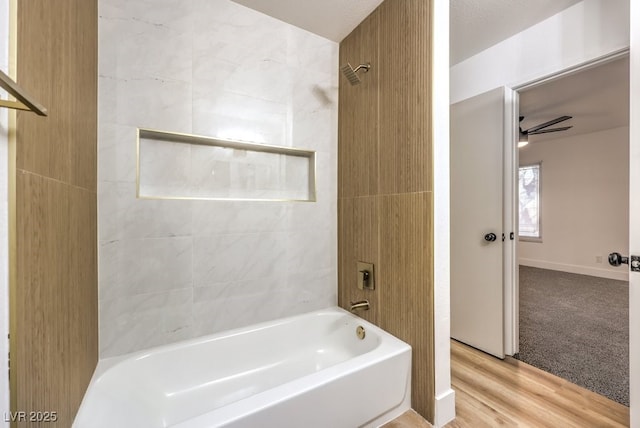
(409, 419)
(492, 392)
(576, 395)
(499, 400)
(496, 377)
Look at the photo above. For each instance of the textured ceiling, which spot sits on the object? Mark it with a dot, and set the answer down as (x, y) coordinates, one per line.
(479, 24)
(332, 19)
(597, 98)
(475, 24)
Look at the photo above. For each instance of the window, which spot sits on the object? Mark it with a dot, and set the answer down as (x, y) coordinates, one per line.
(529, 194)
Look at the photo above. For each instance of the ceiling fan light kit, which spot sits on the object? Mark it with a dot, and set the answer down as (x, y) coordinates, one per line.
(523, 141)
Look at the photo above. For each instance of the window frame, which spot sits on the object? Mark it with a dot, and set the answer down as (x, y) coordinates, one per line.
(537, 239)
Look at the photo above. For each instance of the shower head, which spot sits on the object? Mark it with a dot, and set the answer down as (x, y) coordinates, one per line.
(352, 73)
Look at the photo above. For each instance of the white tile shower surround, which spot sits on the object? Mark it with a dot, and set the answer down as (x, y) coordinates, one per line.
(180, 170)
(170, 270)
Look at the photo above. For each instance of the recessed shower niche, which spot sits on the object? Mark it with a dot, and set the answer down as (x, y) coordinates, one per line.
(181, 166)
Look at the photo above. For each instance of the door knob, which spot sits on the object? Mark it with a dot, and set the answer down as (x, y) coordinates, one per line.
(490, 237)
(616, 259)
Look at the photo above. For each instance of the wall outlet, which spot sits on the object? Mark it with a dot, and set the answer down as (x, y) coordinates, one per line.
(598, 259)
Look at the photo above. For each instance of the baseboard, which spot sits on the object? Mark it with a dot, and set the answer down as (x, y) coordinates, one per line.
(622, 275)
(445, 409)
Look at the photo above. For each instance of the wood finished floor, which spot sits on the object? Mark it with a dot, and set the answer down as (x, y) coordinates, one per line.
(510, 393)
(494, 393)
(409, 419)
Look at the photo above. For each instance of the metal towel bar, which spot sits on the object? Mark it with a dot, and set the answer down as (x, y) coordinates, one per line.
(23, 100)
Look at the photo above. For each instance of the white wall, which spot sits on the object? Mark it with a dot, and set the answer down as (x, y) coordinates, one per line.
(445, 410)
(587, 30)
(170, 270)
(4, 207)
(584, 203)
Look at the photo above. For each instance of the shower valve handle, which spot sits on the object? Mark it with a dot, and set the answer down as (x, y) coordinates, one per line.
(365, 275)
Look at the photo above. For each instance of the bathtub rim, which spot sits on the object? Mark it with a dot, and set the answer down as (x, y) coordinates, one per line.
(388, 347)
(105, 364)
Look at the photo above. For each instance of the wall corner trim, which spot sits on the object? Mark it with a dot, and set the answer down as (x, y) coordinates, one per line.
(445, 409)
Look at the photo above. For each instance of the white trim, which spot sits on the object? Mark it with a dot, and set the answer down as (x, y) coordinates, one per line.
(511, 334)
(530, 239)
(585, 65)
(445, 408)
(621, 275)
(595, 62)
(634, 213)
(592, 63)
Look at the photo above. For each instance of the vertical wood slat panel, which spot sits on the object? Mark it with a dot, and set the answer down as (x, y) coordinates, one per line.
(83, 158)
(54, 350)
(61, 78)
(83, 293)
(56, 44)
(358, 224)
(398, 189)
(406, 292)
(358, 114)
(405, 79)
(42, 354)
(35, 56)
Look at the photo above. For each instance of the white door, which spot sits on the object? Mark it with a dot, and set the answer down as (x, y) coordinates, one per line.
(481, 144)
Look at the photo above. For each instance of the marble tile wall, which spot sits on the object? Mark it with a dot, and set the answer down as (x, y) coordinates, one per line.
(170, 269)
(169, 169)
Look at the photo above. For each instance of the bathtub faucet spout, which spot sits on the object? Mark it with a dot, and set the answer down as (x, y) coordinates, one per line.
(362, 304)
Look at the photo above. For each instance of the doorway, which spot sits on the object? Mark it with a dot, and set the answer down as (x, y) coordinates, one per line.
(471, 238)
(515, 68)
(573, 206)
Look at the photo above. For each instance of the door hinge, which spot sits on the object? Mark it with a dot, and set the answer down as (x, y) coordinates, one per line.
(512, 236)
(503, 237)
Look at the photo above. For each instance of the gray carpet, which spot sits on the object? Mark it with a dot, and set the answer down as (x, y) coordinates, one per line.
(576, 327)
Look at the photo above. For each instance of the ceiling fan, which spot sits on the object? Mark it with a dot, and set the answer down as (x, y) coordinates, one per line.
(543, 128)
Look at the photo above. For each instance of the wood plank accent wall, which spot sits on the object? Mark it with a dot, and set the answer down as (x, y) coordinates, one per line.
(54, 339)
(385, 193)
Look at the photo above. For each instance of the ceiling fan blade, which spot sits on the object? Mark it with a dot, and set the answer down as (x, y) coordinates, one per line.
(546, 131)
(546, 124)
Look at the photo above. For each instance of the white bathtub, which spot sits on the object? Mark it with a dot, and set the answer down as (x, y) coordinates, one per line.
(305, 371)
